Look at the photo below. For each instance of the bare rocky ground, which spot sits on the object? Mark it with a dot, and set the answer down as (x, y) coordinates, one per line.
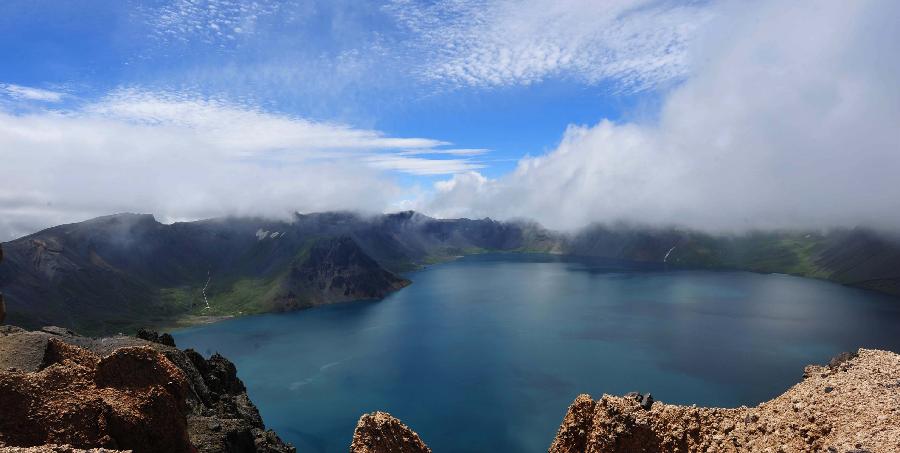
(851, 405)
(61, 392)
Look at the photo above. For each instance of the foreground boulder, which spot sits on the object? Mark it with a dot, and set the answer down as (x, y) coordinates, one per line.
(379, 432)
(63, 392)
(853, 404)
(124, 400)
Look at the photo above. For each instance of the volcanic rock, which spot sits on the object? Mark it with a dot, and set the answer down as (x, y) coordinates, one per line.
(379, 432)
(149, 335)
(860, 413)
(63, 392)
(123, 401)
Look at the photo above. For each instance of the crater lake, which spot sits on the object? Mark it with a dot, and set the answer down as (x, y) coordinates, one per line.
(486, 353)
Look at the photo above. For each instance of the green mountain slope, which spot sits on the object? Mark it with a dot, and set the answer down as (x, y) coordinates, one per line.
(120, 272)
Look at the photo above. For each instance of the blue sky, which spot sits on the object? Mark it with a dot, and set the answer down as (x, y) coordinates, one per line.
(341, 61)
(566, 111)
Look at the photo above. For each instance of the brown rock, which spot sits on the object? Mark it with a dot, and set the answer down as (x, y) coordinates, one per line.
(572, 434)
(379, 432)
(868, 418)
(130, 400)
(208, 396)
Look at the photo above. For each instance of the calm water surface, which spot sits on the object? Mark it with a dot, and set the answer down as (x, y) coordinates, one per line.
(486, 353)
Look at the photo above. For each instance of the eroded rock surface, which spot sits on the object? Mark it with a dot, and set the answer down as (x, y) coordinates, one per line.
(379, 432)
(851, 405)
(63, 392)
(123, 401)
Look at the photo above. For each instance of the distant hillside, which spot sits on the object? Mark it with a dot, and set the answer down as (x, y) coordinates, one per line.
(857, 257)
(120, 272)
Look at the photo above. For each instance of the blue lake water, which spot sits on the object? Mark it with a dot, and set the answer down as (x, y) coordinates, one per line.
(487, 352)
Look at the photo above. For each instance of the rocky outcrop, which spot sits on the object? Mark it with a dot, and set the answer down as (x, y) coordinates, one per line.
(150, 335)
(60, 391)
(379, 432)
(124, 401)
(853, 404)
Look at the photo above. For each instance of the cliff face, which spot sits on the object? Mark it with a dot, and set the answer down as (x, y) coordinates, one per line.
(335, 270)
(58, 388)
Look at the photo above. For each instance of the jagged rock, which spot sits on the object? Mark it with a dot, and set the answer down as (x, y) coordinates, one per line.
(802, 419)
(123, 401)
(379, 432)
(572, 434)
(838, 361)
(646, 402)
(203, 399)
(150, 335)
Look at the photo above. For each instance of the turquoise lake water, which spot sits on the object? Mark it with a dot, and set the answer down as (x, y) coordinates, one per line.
(487, 352)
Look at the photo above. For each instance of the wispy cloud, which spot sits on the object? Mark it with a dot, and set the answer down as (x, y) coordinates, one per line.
(182, 157)
(245, 129)
(451, 152)
(634, 44)
(420, 166)
(31, 93)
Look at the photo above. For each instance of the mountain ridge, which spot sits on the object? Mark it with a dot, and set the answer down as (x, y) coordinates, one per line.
(120, 272)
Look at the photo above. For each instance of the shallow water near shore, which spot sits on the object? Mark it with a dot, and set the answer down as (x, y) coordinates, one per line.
(486, 353)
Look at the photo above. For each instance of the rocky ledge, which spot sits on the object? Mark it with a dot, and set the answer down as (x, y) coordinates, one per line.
(61, 392)
(851, 405)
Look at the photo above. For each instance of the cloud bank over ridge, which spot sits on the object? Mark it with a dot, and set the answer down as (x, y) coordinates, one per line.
(183, 158)
(770, 115)
(788, 118)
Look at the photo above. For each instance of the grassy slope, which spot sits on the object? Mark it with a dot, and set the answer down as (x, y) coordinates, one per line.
(786, 253)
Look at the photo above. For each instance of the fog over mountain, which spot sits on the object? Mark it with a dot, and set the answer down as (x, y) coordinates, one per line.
(789, 119)
(782, 116)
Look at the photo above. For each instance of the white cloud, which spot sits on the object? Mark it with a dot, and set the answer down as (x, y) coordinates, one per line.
(31, 94)
(213, 22)
(421, 166)
(184, 158)
(790, 119)
(450, 151)
(636, 44)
